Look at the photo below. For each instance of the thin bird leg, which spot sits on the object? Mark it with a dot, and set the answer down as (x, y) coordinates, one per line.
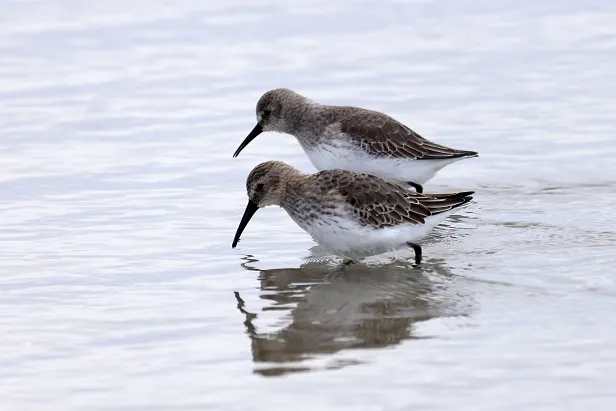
(417, 249)
(416, 186)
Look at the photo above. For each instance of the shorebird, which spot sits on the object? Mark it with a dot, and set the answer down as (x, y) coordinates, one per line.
(352, 215)
(352, 138)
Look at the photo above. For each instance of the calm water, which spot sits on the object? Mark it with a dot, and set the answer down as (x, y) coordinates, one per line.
(119, 200)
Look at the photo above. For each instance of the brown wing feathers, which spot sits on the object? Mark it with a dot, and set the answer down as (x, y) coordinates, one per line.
(438, 203)
(380, 134)
(381, 203)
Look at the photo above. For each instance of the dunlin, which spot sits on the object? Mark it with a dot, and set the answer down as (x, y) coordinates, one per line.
(352, 215)
(353, 138)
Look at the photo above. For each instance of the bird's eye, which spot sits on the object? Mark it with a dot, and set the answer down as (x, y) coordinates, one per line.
(266, 113)
(260, 187)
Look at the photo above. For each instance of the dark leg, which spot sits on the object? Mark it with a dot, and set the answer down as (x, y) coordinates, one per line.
(416, 186)
(417, 249)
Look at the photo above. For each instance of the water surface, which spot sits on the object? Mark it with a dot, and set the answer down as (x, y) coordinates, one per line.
(119, 200)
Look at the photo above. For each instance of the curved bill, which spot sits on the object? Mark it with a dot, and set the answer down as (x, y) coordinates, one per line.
(251, 209)
(254, 133)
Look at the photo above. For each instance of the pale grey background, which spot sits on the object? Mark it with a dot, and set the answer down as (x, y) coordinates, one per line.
(119, 200)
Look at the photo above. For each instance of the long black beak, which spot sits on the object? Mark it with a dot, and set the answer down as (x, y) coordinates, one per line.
(254, 133)
(251, 209)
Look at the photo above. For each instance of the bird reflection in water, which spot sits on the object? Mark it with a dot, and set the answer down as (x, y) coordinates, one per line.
(357, 307)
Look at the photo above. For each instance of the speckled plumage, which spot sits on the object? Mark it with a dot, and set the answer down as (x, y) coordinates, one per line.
(380, 135)
(352, 138)
(353, 215)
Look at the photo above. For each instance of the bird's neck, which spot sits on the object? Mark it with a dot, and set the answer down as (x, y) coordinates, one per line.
(291, 188)
(304, 117)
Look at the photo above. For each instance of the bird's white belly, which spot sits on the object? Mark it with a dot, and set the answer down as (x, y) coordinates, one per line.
(345, 237)
(339, 156)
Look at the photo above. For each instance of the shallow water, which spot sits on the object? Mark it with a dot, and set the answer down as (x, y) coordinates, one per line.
(119, 200)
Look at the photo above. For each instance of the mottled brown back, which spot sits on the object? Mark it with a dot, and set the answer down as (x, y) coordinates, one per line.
(379, 134)
(380, 203)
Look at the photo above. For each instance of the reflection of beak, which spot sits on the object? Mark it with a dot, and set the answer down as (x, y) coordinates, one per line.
(251, 209)
(254, 133)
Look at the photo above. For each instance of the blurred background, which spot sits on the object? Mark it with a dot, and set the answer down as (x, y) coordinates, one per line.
(119, 199)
